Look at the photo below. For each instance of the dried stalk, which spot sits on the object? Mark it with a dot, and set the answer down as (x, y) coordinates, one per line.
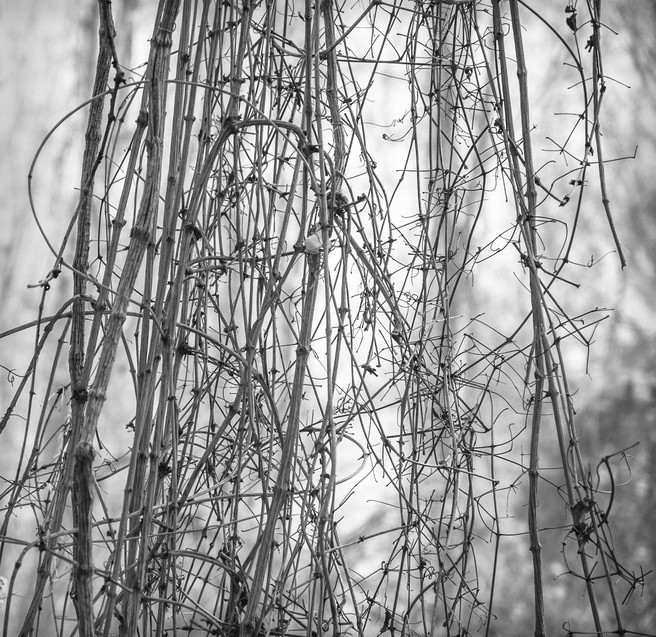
(296, 329)
(82, 585)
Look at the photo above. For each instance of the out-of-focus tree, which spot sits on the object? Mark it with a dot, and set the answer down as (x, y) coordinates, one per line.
(313, 302)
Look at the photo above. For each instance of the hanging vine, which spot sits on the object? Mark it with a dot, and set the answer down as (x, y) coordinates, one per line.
(325, 283)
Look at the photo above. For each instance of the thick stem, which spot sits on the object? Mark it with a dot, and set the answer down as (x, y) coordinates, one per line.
(82, 591)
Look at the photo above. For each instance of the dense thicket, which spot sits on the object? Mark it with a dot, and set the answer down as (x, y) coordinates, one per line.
(309, 372)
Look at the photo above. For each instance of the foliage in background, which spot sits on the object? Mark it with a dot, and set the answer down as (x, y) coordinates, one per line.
(290, 411)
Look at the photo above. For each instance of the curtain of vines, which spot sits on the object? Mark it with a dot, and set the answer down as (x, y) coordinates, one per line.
(273, 263)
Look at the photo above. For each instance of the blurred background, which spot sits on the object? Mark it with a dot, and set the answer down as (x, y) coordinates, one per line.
(48, 56)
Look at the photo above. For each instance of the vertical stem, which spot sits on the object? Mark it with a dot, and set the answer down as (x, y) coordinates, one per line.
(141, 232)
(526, 210)
(83, 543)
(79, 394)
(250, 626)
(140, 239)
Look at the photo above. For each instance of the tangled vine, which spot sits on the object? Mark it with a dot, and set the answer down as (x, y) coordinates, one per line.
(317, 258)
